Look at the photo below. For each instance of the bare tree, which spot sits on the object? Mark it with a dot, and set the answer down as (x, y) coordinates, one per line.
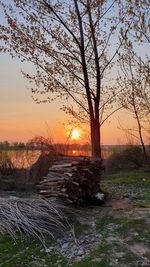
(135, 95)
(73, 45)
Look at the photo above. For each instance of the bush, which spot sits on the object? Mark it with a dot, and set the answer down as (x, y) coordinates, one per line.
(131, 157)
(11, 176)
(6, 165)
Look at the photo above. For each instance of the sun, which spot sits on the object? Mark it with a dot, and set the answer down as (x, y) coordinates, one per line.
(76, 133)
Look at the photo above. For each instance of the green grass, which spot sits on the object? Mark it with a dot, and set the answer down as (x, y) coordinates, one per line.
(145, 201)
(95, 259)
(112, 252)
(129, 177)
(119, 229)
(30, 253)
(27, 252)
(133, 184)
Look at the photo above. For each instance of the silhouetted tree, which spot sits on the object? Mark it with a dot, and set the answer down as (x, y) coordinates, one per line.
(135, 96)
(73, 45)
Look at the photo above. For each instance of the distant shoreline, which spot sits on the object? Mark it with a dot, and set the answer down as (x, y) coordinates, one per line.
(68, 146)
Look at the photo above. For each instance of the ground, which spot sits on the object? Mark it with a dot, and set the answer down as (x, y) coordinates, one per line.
(116, 234)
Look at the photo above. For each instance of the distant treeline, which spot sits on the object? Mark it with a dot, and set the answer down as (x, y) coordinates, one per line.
(12, 146)
(59, 147)
(23, 146)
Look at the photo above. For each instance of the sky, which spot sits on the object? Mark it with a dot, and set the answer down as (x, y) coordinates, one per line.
(21, 118)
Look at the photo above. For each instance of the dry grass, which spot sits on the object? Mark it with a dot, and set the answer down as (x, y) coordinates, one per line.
(33, 216)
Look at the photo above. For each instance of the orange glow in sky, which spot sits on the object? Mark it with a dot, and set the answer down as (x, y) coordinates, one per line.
(21, 118)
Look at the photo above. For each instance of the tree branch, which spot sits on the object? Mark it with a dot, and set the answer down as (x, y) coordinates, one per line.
(62, 22)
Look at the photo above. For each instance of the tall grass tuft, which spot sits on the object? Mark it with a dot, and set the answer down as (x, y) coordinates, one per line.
(6, 165)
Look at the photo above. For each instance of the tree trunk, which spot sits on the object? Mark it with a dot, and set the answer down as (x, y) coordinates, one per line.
(140, 131)
(141, 140)
(95, 138)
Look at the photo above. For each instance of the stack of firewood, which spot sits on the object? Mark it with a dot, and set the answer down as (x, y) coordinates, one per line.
(75, 182)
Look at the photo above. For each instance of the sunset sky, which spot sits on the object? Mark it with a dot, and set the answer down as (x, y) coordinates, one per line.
(21, 118)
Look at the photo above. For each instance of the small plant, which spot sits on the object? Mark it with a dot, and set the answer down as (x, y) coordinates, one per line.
(6, 165)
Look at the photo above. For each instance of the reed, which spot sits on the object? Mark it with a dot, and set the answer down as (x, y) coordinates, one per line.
(34, 216)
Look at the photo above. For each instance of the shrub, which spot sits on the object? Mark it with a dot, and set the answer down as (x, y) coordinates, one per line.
(130, 157)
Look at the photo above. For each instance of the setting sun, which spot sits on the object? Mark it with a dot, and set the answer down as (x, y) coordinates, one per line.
(76, 133)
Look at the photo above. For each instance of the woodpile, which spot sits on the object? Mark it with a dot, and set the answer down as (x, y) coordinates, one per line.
(75, 182)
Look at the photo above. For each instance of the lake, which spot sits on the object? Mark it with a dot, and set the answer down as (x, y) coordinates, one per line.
(25, 158)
